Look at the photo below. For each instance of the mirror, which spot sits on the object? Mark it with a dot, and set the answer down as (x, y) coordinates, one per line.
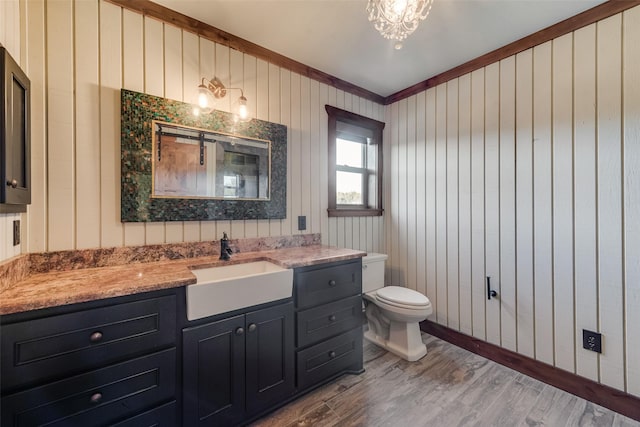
(243, 174)
(190, 162)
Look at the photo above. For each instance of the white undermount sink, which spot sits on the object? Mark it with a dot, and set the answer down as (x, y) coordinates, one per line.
(232, 287)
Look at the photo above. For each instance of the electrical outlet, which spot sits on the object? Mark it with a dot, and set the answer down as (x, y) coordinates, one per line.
(16, 232)
(302, 223)
(592, 341)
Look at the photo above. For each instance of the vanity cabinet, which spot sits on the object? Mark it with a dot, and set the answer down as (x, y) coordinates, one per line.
(328, 321)
(91, 364)
(236, 367)
(120, 361)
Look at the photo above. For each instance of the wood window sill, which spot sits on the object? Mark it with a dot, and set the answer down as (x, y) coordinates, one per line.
(354, 212)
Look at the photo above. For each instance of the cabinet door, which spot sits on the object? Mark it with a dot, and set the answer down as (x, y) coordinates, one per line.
(15, 140)
(214, 373)
(270, 361)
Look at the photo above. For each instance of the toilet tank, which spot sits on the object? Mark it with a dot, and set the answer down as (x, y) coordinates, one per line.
(373, 272)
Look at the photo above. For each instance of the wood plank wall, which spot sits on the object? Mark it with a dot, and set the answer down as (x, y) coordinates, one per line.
(527, 171)
(11, 40)
(79, 54)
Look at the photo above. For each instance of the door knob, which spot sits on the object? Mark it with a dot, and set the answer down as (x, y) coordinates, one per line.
(239, 331)
(253, 327)
(13, 183)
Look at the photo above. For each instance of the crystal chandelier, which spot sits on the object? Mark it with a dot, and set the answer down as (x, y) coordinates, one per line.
(396, 19)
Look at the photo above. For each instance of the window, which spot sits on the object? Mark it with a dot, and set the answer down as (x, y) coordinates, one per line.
(355, 164)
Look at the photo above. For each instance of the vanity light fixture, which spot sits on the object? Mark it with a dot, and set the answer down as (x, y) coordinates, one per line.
(209, 91)
(397, 19)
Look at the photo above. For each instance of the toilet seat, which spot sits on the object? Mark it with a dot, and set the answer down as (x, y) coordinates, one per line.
(400, 297)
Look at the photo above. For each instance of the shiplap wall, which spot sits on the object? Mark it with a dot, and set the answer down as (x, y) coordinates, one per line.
(528, 171)
(10, 39)
(79, 54)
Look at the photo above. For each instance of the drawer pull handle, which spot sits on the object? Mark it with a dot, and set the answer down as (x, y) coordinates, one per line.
(332, 354)
(332, 318)
(96, 398)
(253, 327)
(239, 331)
(332, 283)
(96, 337)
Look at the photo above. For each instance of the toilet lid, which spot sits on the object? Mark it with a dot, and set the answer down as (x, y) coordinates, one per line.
(404, 296)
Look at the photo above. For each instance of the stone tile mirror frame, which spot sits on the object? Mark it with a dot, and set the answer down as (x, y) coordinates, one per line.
(138, 110)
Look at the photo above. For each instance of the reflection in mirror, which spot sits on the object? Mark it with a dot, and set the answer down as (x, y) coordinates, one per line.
(256, 183)
(198, 163)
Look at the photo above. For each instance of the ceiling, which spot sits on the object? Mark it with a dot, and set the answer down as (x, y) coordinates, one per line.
(335, 36)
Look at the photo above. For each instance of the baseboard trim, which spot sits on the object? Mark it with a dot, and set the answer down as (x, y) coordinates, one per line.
(603, 395)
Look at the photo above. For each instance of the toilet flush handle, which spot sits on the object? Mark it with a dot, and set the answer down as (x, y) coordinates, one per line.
(490, 292)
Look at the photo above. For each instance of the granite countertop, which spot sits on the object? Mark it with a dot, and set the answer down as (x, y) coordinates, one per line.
(55, 288)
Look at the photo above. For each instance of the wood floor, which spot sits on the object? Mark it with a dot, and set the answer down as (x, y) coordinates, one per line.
(448, 387)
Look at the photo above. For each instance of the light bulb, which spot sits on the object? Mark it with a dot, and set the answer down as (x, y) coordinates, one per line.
(205, 100)
(240, 110)
(398, 7)
(202, 100)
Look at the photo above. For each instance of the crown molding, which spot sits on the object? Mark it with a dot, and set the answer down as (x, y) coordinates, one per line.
(567, 26)
(590, 16)
(161, 13)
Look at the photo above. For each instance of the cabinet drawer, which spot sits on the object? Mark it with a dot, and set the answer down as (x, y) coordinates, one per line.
(329, 358)
(319, 323)
(325, 284)
(54, 347)
(162, 416)
(98, 397)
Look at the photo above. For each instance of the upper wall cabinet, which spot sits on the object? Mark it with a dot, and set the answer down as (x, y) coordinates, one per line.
(15, 191)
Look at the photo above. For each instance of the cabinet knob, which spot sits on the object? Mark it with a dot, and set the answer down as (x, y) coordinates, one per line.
(332, 318)
(13, 183)
(239, 331)
(332, 354)
(253, 327)
(96, 336)
(332, 283)
(96, 397)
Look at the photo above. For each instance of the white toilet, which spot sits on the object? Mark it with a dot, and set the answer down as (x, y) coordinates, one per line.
(393, 312)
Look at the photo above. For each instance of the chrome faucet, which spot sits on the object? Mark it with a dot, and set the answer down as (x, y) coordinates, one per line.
(225, 250)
